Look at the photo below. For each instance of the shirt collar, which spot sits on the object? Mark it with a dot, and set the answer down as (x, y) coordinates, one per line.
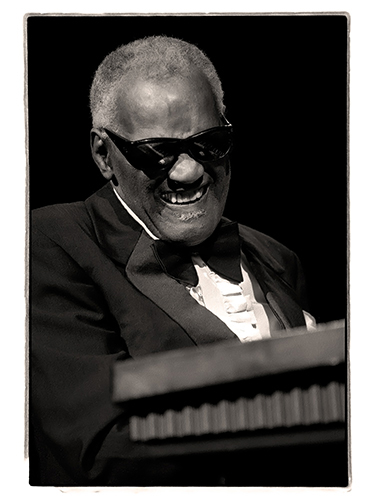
(135, 217)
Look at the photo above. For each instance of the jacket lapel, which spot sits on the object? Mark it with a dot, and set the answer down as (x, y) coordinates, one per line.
(144, 271)
(279, 296)
(116, 231)
(278, 293)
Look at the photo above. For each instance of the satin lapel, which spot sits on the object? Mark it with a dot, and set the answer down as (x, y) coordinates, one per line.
(279, 295)
(145, 272)
(116, 231)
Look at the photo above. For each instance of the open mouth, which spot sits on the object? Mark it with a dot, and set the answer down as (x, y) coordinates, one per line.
(184, 197)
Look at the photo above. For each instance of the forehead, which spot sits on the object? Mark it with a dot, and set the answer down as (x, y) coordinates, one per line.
(176, 106)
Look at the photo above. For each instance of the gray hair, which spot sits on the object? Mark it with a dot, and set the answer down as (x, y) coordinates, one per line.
(153, 58)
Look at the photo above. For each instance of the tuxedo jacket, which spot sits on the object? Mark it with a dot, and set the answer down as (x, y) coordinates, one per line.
(98, 295)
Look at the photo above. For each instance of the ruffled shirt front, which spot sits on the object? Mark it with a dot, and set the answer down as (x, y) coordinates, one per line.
(235, 304)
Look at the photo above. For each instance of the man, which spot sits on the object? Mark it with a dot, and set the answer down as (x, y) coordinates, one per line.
(146, 264)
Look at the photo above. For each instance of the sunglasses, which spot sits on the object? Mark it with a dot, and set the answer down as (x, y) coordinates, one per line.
(157, 155)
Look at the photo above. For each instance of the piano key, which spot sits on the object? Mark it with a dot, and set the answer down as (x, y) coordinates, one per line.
(150, 426)
(204, 417)
(277, 409)
(142, 429)
(187, 423)
(168, 423)
(315, 406)
(212, 417)
(214, 424)
(287, 407)
(241, 409)
(222, 416)
(251, 414)
(134, 428)
(196, 422)
(178, 426)
(326, 405)
(268, 409)
(161, 426)
(232, 416)
(333, 396)
(306, 407)
(259, 420)
(296, 406)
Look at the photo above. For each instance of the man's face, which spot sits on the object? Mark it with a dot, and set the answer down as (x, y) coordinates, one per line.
(185, 204)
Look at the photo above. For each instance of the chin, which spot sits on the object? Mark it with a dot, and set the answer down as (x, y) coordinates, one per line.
(191, 234)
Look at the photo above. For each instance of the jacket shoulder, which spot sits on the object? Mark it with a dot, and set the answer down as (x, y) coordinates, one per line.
(61, 219)
(267, 249)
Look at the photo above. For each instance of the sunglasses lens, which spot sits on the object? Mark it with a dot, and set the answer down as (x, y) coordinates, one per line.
(151, 156)
(211, 146)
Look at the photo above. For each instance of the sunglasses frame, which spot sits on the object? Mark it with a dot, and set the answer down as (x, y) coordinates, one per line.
(124, 145)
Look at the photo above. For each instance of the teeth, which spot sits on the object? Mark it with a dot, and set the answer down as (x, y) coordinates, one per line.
(182, 198)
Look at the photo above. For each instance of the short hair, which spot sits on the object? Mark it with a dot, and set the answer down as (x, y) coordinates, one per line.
(153, 58)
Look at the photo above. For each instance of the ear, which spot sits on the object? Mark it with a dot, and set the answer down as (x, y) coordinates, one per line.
(100, 153)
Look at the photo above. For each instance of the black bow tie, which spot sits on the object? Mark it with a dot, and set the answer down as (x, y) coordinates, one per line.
(221, 252)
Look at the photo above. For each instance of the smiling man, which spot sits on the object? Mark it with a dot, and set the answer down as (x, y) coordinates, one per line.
(146, 264)
(177, 189)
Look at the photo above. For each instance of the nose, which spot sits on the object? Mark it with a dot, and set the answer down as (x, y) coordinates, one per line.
(186, 170)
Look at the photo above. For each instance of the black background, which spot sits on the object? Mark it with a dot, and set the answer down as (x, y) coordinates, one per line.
(285, 83)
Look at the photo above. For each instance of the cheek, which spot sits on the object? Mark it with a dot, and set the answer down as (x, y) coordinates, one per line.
(135, 188)
(222, 181)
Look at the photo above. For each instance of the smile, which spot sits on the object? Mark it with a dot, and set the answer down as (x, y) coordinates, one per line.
(186, 197)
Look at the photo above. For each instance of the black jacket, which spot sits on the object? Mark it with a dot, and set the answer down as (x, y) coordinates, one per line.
(98, 295)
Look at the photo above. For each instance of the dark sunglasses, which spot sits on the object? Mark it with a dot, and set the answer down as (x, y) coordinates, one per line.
(156, 155)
